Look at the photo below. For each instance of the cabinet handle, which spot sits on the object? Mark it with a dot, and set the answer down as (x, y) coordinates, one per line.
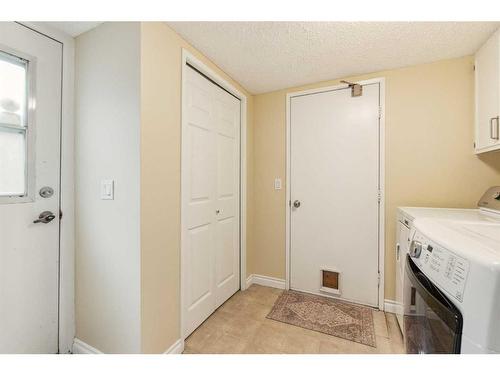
(494, 131)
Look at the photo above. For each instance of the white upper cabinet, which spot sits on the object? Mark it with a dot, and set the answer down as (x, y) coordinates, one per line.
(487, 73)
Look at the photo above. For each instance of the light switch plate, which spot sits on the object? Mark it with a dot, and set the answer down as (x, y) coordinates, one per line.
(277, 184)
(107, 189)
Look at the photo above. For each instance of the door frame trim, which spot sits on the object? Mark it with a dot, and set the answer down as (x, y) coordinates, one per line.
(381, 231)
(188, 57)
(66, 319)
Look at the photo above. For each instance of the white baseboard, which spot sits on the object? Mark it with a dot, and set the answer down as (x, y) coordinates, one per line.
(272, 282)
(176, 348)
(390, 306)
(249, 281)
(80, 347)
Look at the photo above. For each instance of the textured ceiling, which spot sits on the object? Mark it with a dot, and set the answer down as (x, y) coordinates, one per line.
(73, 28)
(268, 56)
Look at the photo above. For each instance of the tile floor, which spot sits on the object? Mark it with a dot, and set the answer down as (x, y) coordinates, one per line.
(240, 326)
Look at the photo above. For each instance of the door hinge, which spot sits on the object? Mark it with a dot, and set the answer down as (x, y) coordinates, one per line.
(378, 278)
(290, 203)
(60, 214)
(379, 196)
(379, 112)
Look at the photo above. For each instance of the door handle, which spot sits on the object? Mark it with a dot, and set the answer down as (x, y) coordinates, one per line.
(415, 249)
(45, 217)
(494, 131)
(296, 204)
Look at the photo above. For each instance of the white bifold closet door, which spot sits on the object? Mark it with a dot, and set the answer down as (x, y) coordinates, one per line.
(210, 198)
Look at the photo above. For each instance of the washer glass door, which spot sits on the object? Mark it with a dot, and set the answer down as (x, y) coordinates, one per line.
(432, 323)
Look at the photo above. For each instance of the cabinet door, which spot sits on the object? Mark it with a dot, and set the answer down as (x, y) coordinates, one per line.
(487, 65)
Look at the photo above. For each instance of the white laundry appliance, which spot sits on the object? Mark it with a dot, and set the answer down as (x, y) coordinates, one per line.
(449, 284)
(404, 226)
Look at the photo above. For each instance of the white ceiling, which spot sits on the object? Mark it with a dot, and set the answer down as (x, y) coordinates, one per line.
(268, 56)
(74, 28)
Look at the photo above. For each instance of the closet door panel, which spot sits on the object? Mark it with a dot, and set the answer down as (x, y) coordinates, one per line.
(210, 198)
(198, 200)
(227, 125)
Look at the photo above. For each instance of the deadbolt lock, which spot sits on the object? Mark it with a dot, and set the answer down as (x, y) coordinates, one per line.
(46, 192)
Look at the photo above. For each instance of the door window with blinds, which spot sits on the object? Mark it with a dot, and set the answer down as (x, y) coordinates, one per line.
(15, 126)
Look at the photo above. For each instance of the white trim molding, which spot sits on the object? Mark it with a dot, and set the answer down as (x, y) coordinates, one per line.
(80, 347)
(381, 230)
(269, 281)
(390, 306)
(176, 348)
(381, 242)
(188, 57)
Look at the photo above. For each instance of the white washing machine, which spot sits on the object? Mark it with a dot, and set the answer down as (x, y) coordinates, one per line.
(451, 280)
(406, 218)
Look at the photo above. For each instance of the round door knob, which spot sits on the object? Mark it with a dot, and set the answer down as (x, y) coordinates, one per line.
(296, 204)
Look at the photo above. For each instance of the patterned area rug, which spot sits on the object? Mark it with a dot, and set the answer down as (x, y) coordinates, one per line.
(326, 315)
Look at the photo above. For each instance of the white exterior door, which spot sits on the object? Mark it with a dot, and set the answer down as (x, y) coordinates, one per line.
(30, 104)
(334, 175)
(210, 198)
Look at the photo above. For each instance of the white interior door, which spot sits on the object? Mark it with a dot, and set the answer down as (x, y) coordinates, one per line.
(30, 104)
(210, 198)
(334, 156)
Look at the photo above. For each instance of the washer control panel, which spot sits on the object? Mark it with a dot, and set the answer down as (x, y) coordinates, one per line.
(443, 267)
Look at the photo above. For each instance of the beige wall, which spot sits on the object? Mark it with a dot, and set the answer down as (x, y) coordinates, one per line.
(429, 134)
(161, 50)
(429, 155)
